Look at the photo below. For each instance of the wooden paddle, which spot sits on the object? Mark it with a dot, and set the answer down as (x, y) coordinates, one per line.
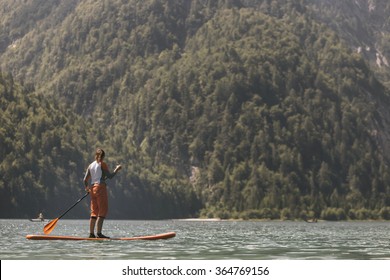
(52, 224)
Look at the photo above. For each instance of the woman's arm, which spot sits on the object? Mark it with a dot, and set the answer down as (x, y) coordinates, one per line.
(87, 177)
(107, 173)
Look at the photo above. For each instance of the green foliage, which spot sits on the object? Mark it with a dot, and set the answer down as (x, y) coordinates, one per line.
(230, 109)
(333, 214)
(385, 213)
(41, 152)
(358, 23)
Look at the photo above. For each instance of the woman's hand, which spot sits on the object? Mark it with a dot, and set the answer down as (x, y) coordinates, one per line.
(117, 168)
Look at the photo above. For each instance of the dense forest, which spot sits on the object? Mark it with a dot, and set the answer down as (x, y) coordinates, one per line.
(231, 109)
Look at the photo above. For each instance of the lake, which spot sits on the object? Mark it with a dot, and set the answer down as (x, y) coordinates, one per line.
(202, 240)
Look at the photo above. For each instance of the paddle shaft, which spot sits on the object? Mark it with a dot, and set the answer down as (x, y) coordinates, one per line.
(51, 225)
(70, 208)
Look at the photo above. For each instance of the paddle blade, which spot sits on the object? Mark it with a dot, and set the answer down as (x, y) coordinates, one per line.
(50, 226)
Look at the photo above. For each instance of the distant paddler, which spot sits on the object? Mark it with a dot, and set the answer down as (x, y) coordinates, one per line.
(40, 218)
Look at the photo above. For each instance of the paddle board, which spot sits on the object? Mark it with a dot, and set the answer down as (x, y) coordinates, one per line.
(58, 237)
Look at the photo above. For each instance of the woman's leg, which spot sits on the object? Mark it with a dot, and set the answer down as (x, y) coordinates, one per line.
(92, 222)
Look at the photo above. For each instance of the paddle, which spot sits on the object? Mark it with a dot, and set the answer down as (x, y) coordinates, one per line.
(52, 224)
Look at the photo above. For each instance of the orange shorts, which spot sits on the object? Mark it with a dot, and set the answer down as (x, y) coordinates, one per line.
(99, 200)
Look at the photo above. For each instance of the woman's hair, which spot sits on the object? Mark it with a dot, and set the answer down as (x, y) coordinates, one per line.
(99, 154)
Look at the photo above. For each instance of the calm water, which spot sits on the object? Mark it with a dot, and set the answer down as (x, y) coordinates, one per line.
(202, 240)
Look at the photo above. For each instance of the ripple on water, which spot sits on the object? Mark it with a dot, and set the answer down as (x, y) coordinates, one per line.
(203, 240)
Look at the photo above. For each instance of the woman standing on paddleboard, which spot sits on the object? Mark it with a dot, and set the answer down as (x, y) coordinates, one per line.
(97, 173)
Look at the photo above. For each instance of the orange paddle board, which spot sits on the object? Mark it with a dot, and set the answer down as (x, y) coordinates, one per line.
(59, 237)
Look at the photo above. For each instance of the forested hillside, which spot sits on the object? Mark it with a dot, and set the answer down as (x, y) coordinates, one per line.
(41, 151)
(364, 25)
(231, 109)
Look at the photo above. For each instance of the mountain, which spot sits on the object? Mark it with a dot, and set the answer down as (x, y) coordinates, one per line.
(364, 25)
(234, 109)
(41, 150)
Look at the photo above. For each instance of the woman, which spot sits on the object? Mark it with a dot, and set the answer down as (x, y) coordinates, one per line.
(97, 173)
